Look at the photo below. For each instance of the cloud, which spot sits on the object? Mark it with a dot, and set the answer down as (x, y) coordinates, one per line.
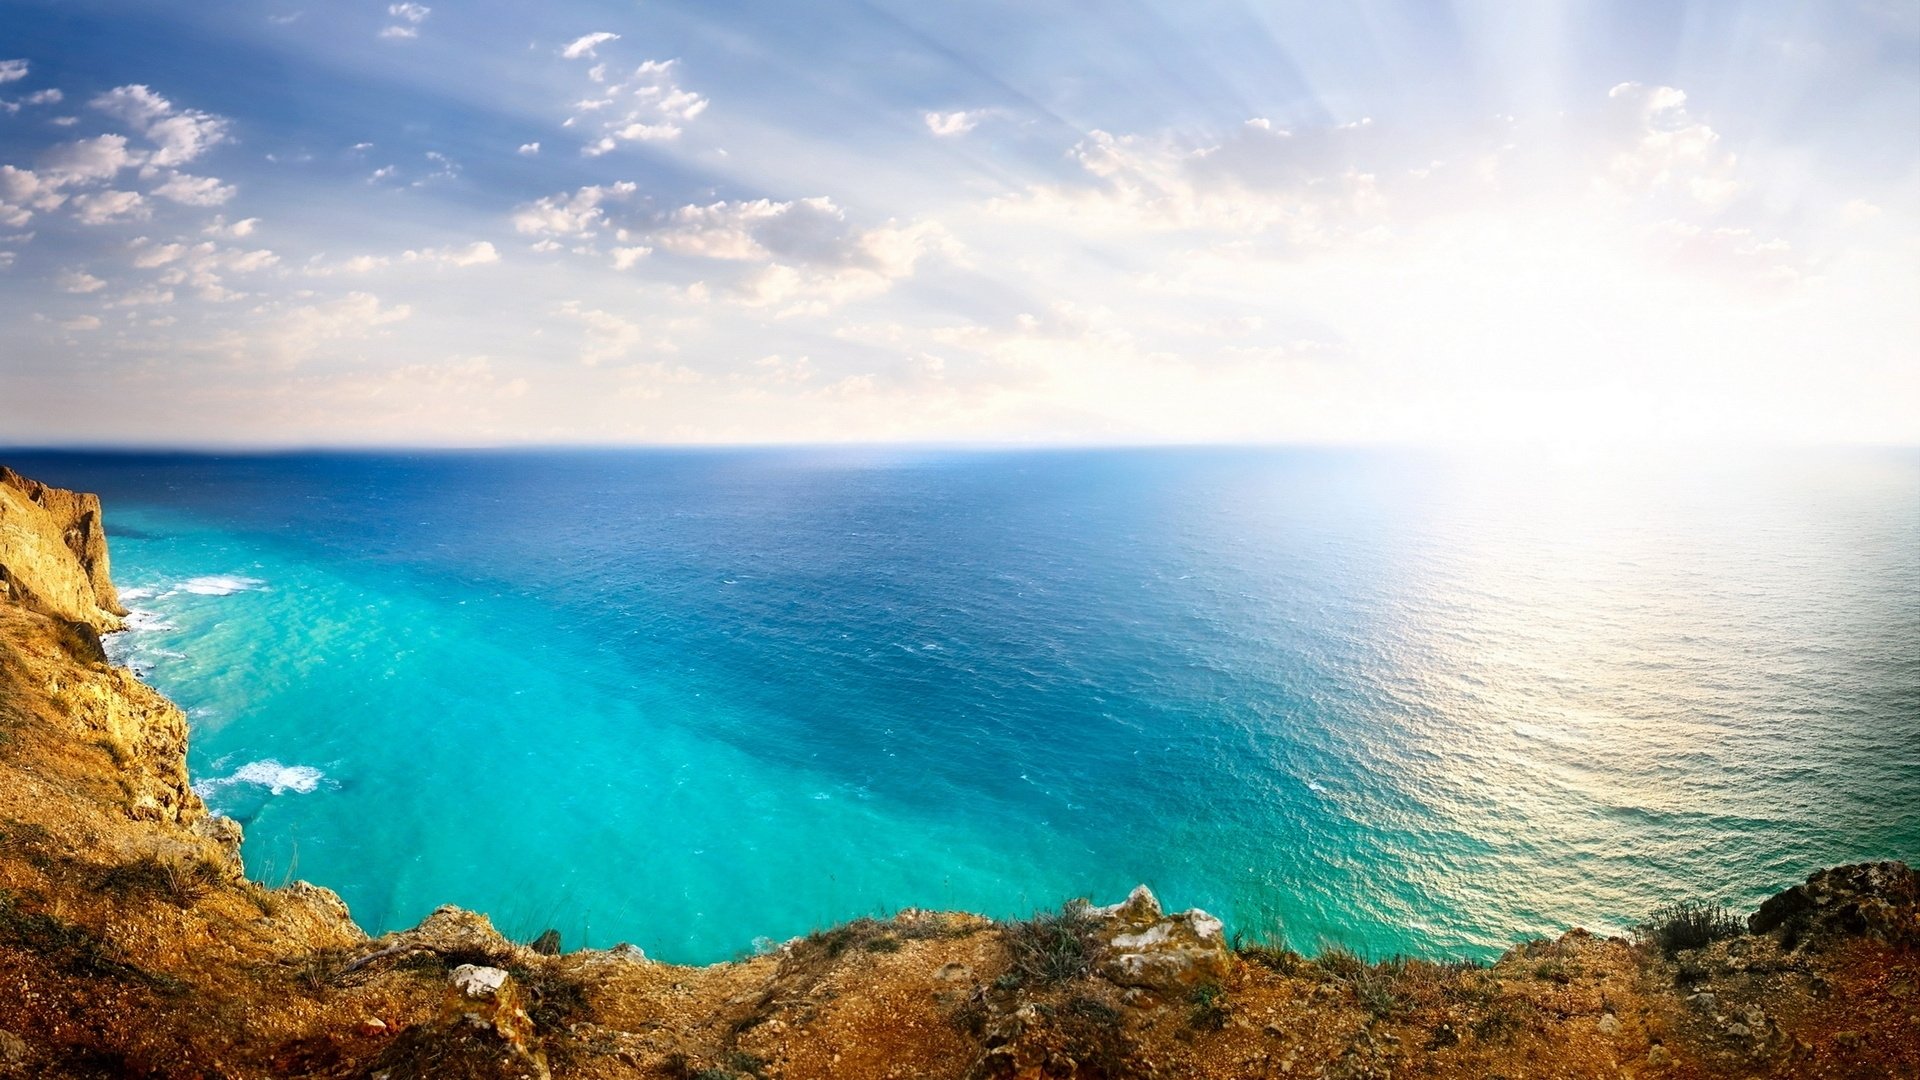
(625, 258)
(146, 296)
(648, 106)
(587, 43)
(1668, 148)
(79, 281)
(81, 322)
(178, 135)
(194, 190)
(104, 207)
(950, 124)
(578, 214)
(12, 70)
(243, 227)
(302, 331)
(200, 266)
(812, 258)
(608, 336)
(22, 192)
(410, 15)
(85, 161)
(529, 149)
(148, 255)
(478, 253)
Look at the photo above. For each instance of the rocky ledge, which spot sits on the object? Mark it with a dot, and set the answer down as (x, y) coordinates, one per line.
(133, 945)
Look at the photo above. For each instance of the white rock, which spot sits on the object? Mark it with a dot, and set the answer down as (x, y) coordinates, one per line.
(478, 982)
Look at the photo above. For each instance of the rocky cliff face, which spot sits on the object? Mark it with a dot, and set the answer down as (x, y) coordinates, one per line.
(53, 554)
(132, 945)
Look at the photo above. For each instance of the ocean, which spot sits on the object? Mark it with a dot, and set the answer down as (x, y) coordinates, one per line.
(703, 701)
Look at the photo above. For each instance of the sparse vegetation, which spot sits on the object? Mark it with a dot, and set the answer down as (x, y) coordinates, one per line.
(72, 949)
(1211, 1009)
(1688, 924)
(183, 881)
(1051, 947)
(1096, 1037)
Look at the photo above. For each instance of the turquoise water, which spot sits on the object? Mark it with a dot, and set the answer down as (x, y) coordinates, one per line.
(695, 700)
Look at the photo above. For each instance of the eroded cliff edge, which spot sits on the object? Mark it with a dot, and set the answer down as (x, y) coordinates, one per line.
(132, 944)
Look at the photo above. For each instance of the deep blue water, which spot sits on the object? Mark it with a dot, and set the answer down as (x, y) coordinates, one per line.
(691, 699)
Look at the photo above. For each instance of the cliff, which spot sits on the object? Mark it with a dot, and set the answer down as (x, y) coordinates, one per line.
(132, 944)
(53, 554)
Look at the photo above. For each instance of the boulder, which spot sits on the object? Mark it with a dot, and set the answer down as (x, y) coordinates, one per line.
(1880, 900)
(477, 982)
(1136, 945)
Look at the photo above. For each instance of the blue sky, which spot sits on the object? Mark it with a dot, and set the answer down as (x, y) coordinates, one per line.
(479, 223)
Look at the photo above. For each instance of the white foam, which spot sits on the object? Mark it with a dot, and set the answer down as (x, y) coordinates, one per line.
(138, 592)
(220, 585)
(269, 774)
(142, 620)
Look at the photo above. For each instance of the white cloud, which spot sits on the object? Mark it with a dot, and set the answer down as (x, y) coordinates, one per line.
(411, 15)
(952, 123)
(22, 192)
(609, 337)
(303, 330)
(648, 106)
(148, 255)
(529, 149)
(625, 258)
(578, 214)
(103, 207)
(478, 253)
(194, 190)
(585, 44)
(49, 96)
(146, 296)
(12, 70)
(79, 281)
(243, 227)
(178, 135)
(85, 161)
(81, 322)
(1669, 149)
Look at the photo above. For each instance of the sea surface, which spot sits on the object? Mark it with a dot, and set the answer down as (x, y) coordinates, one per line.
(704, 701)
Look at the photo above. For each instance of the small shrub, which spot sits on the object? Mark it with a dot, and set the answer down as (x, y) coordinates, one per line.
(1052, 947)
(1502, 1021)
(1274, 958)
(182, 881)
(1095, 1036)
(1556, 970)
(1688, 924)
(1211, 1009)
(1373, 985)
(886, 943)
(557, 999)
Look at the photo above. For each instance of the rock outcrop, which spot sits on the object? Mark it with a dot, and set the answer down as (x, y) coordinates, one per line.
(1881, 900)
(1138, 946)
(53, 554)
(132, 944)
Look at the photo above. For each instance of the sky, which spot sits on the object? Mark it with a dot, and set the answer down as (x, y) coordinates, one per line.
(486, 223)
